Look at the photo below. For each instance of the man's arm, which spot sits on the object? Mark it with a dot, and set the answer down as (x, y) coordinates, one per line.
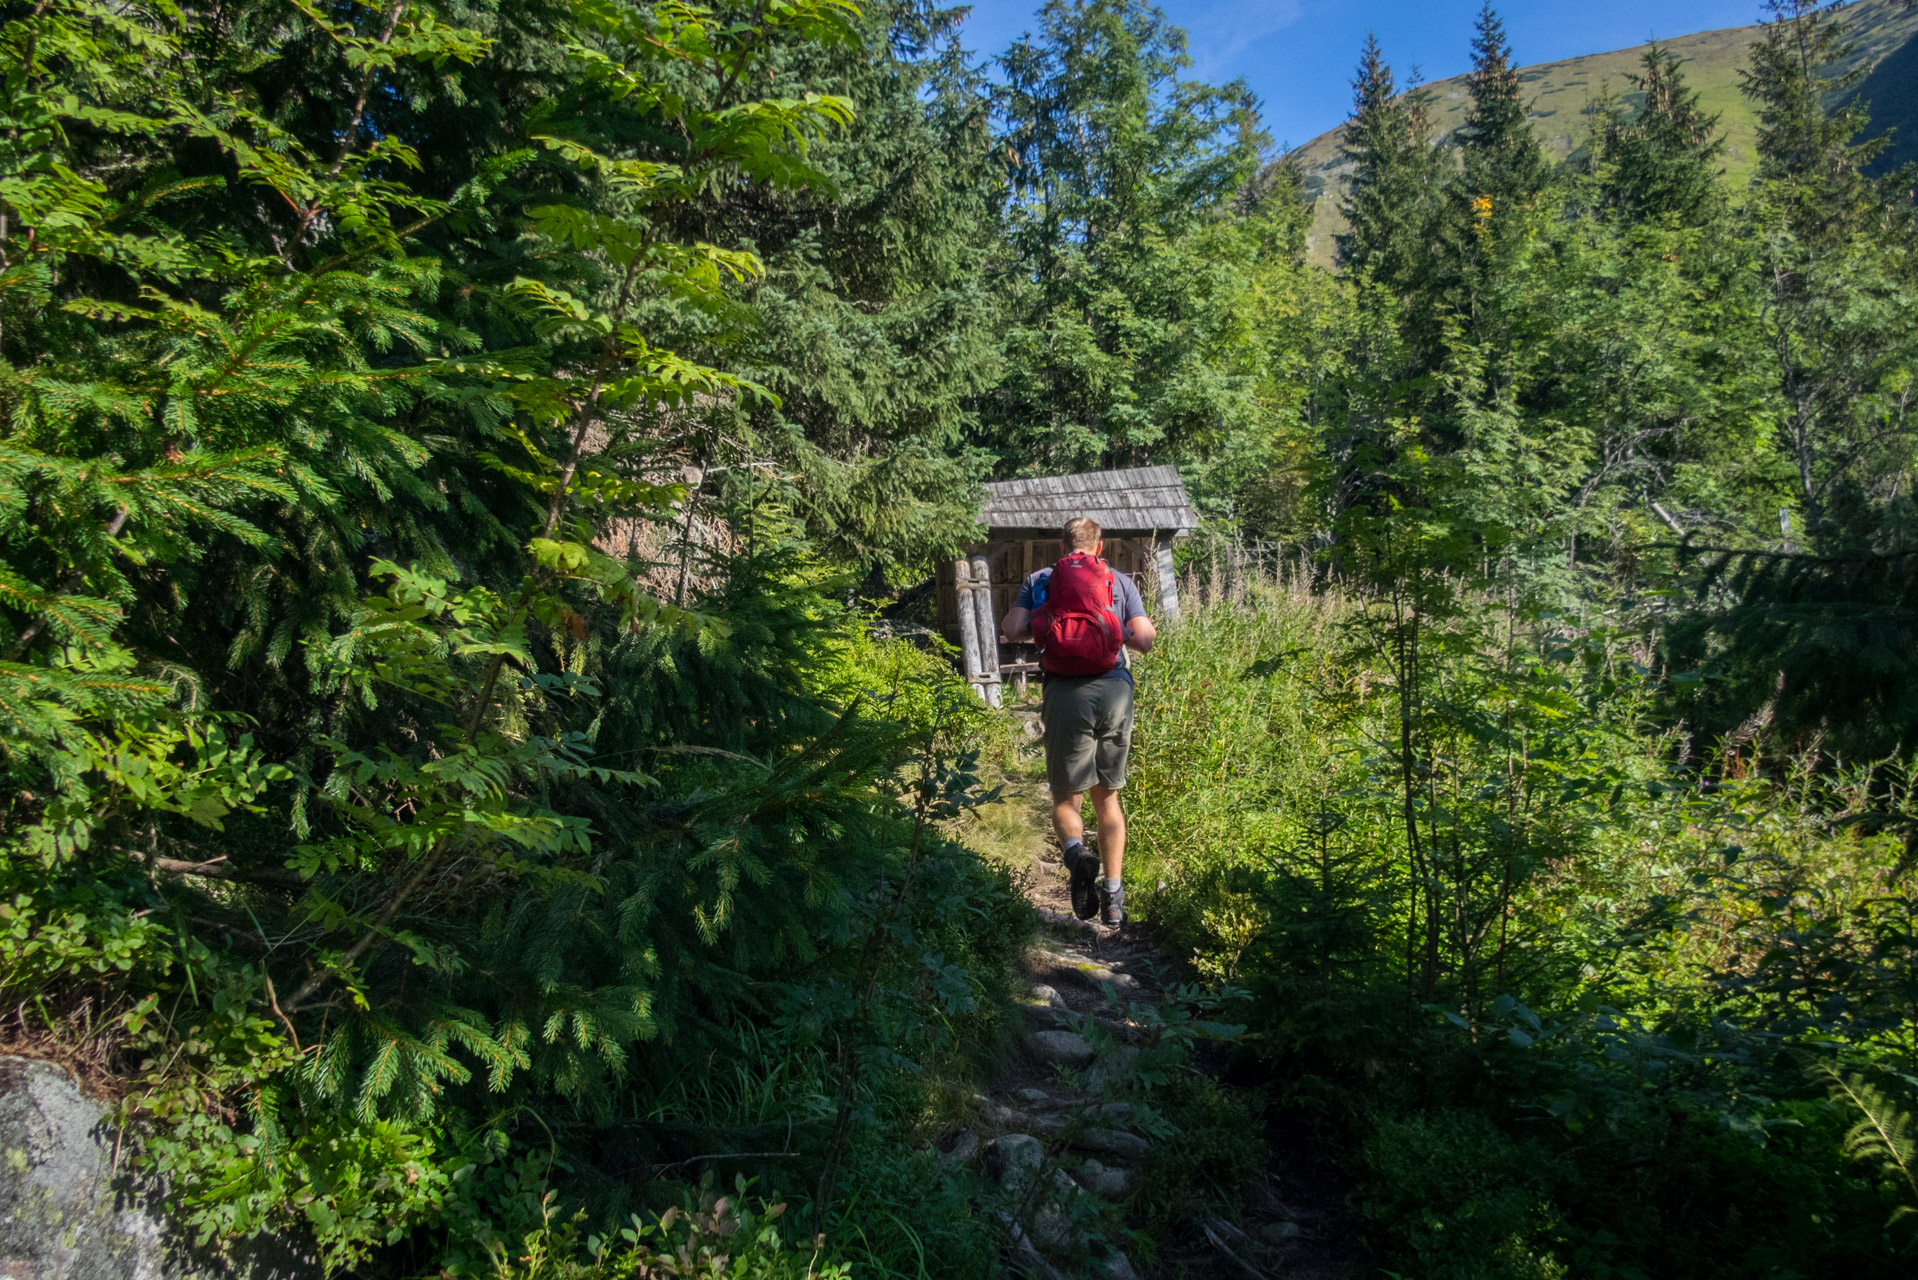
(1017, 624)
(1140, 633)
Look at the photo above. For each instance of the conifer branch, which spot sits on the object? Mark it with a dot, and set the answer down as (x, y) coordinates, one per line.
(72, 582)
(588, 416)
(556, 507)
(352, 131)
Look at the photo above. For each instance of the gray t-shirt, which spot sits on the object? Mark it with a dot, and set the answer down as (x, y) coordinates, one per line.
(1131, 605)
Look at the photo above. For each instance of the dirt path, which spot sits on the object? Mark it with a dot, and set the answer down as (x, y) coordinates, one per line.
(1066, 1135)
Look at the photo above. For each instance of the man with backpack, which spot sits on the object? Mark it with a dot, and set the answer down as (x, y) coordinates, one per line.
(1083, 614)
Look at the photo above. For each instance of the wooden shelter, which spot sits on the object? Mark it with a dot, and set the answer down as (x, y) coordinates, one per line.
(1141, 510)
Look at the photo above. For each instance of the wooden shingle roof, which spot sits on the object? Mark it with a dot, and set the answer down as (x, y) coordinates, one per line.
(1140, 500)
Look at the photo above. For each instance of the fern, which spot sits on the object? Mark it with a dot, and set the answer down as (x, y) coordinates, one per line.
(1883, 1136)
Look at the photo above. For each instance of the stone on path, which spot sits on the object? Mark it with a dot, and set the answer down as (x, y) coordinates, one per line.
(1084, 970)
(1060, 920)
(1113, 1141)
(1065, 1048)
(1116, 1266)
(1281, 1232)
(1052, 1222)
(1113, 1066)
(1105, 1182)
(1031, 1261)
(1044, 995)
(1013, 1159)
(1004, 1117)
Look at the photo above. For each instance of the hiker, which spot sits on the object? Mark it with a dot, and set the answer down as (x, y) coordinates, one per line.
(1083, 614)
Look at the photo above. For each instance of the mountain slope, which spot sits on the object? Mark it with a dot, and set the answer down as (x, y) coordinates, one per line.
(1564, 93)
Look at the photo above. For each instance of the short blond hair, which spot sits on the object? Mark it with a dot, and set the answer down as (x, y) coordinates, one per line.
(1081, 534)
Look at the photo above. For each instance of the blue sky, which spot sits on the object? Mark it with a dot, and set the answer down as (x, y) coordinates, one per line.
(1298, 55)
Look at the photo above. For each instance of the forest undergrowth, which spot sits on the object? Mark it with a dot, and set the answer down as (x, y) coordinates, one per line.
(1560, 991)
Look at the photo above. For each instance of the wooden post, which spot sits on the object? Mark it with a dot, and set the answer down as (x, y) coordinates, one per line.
(1168, 584)
(968, 621)
(988, 630)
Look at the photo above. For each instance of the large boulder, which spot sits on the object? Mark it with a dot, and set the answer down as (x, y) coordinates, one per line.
(1015, 1161)
(1065, 1048)
(66, 1211)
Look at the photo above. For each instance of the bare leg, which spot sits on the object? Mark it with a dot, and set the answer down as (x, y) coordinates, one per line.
(1105, 806)
(1068, 817)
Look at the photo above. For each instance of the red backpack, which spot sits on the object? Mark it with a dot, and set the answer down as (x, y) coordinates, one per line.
(1077, 629)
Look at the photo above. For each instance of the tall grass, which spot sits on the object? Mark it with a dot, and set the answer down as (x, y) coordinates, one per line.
(1235, 748)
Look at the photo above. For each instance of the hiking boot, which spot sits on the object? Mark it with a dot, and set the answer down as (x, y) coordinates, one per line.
(1111, 906)
(1082, 867)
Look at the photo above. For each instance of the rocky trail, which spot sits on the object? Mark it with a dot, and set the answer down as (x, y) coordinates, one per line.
(1067, 1136)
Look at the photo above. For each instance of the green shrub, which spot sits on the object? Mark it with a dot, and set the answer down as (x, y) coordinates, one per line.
(1204, 1164)
(1582, 1067)
(1449, 1196)
(709, 1237)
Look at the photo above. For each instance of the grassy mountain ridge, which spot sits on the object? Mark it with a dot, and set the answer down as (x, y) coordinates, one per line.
(1564, 93)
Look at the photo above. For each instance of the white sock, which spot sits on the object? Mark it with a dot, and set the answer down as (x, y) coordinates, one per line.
(1112, 884)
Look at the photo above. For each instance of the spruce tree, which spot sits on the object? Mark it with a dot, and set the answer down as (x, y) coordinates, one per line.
(334, 734)
(1503, 167)
(1496, 189)
(1836, 247)
(1389, 195)
(1662, 162)
(1809, 121)
(876, 319)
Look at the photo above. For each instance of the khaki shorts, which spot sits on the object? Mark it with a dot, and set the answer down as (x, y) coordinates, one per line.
(1088, 732)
